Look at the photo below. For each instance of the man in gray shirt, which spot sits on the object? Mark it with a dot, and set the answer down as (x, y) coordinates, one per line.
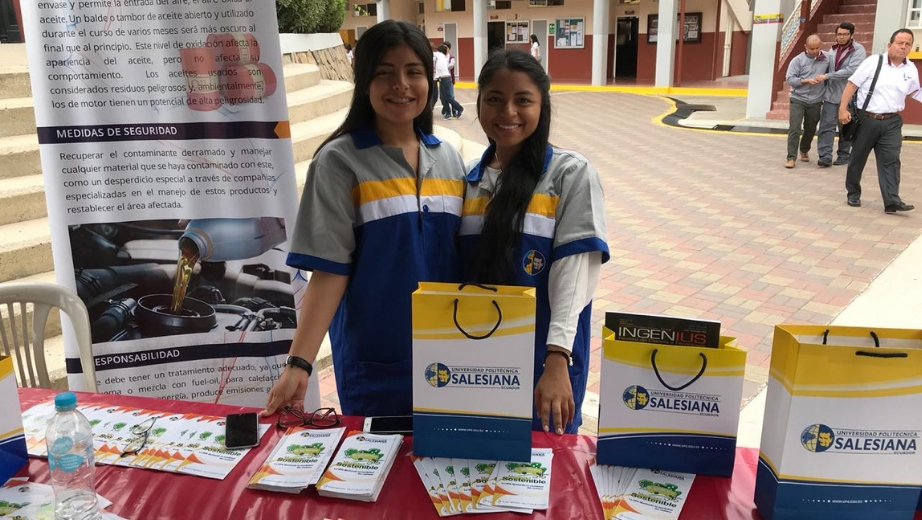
(807, 92)
(843, 60)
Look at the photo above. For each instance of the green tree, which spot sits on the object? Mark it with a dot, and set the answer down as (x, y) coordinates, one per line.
(310, 16)
(332, 17)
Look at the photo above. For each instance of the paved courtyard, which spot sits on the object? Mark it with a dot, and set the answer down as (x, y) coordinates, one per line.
(711, 225)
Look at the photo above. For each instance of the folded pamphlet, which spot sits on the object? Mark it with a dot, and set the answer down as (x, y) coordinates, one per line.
(298, 460)
(360, 467)
(640, 494)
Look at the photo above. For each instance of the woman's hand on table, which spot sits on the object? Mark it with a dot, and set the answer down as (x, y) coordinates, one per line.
(289, 391)
(553, 394)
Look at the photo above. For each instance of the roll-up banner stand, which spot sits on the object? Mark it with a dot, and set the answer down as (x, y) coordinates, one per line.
(165, 146)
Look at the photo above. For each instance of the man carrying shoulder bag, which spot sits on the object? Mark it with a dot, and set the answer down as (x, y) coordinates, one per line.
(882, 83)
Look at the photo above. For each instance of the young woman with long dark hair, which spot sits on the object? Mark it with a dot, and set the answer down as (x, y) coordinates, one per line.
(379, 213)
(534, 216)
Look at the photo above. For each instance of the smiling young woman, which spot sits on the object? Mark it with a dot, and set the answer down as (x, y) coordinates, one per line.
(534, 216)
(364, 233)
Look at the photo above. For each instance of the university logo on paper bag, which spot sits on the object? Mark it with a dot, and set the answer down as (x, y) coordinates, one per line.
(819, 438)
(637, 397)
(439, 375)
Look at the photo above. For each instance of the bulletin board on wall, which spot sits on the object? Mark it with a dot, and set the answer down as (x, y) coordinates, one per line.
(691, 32)
(570, 33)
(517, 31)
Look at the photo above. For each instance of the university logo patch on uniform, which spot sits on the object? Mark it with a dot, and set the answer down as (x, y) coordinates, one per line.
(534, 262)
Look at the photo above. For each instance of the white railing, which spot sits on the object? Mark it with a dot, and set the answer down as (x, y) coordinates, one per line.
(790, 30)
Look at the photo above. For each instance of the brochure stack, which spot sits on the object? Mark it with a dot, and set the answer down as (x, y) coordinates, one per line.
(468, 486)
(190, 443)
(360, 467)
(298, 460)
(640, 494)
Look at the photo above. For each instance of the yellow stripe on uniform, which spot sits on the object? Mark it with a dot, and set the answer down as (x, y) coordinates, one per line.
(541, 204)
(544, 205)
(371, 191)
(475, 206)
(454, 188)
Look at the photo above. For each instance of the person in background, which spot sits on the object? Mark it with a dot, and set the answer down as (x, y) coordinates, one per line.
(436, 56)
(881, 127)
(807, 92)
(368, 248)
(451, 71)
(534, 215)
(350, 55)
(450, 107)
(843, 61)
(535, 48)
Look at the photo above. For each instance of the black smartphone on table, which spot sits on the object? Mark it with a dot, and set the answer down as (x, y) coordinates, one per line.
(241, 431)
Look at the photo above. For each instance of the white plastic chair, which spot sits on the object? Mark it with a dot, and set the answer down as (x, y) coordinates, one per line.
(30, 355)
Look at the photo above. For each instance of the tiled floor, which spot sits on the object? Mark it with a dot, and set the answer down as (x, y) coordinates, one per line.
(711, 225)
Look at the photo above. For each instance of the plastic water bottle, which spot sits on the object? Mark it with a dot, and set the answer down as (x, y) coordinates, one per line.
(69, 438)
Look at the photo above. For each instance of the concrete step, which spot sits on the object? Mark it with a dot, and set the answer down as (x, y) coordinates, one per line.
(14, 83)
(777, 114)
(299, 76)
(22, 198)
(851, 18)
(18, 117)
(320, 100)
(306, 137)
(301, 81)
(858, 9)
(25, 249)
(830, 28)
(19, 156)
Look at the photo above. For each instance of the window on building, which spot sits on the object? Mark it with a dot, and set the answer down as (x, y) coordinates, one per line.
(365, 9)
(449, 5)
(422, 8)
(545, 3)
(914, 17)
(499, 4)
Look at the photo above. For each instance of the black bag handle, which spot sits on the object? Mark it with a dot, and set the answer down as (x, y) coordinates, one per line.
(485, 287)
(873, 335)
(499, 320)
(866, 353)
(704, 365)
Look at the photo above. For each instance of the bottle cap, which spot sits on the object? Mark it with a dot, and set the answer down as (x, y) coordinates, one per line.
(65, 401)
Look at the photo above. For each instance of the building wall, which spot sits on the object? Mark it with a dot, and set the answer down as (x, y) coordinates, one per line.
(575, 65)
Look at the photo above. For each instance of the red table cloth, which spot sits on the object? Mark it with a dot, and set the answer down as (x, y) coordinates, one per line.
(141, 494)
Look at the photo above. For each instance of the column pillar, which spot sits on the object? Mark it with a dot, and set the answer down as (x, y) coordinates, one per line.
(887, 20)
(384, 10)
(480, 36)
(764, 58)
(665, 43)
(600, 12)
